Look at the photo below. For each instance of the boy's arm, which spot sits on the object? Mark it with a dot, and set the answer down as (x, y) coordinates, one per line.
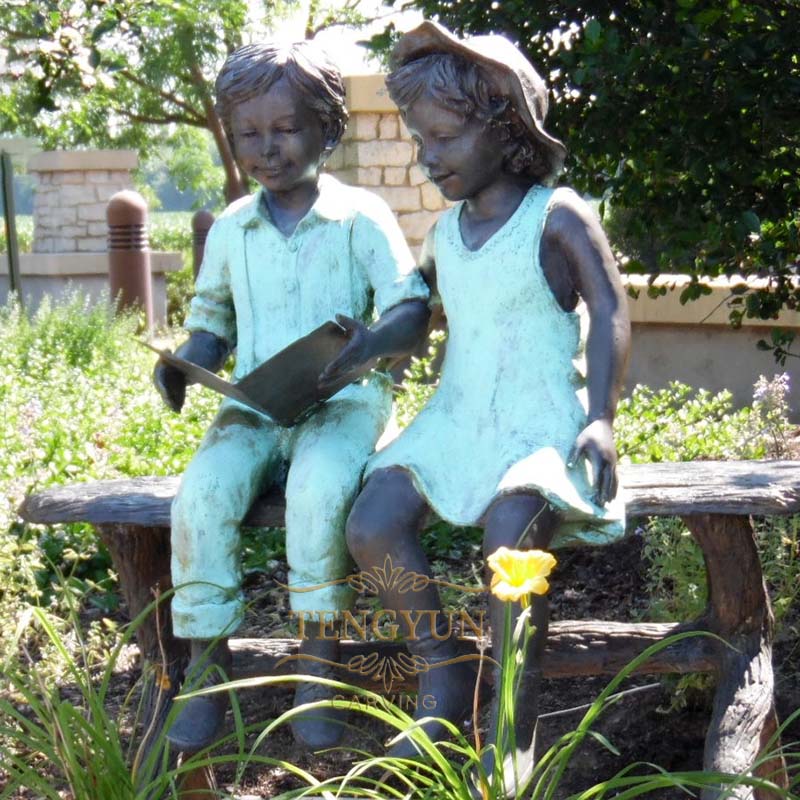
(574, 241)
(211, 322)
(202, 348)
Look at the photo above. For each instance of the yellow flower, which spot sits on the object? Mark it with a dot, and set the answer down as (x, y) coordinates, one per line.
(518, 573)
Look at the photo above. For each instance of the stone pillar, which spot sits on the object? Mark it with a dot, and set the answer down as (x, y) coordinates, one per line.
(71, 192)
(72, 189)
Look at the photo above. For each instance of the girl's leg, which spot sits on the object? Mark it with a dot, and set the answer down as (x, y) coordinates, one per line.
(234, 462)
(383, 530)
(522, 522)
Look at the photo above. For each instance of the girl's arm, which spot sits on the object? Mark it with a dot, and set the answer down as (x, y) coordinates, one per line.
(574, 246)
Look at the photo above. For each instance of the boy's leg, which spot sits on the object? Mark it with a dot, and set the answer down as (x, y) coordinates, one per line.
(385, 523)
(234, 463)
(521, 522)
(327, 457)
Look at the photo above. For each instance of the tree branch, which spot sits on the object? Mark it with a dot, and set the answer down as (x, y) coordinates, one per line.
(168, 96)
(178, 119)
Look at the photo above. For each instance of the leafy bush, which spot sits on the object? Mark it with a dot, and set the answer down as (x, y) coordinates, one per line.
(24, 234)
(420, 381)
(682, 424)
(78, 405)
(170, 231)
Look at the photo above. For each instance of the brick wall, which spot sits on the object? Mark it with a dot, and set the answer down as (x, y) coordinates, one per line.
(71, 191)
(377, 153)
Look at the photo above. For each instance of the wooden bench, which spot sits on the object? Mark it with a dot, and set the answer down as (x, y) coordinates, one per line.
(715, 500)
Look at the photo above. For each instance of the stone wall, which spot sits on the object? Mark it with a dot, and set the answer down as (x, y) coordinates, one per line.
(377, 153)
(70, 235)
(72, 189)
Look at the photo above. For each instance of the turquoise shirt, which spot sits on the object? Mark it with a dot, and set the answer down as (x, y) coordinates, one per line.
(260, 290)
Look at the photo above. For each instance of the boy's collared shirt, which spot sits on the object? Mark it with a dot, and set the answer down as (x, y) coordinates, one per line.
(260, 290)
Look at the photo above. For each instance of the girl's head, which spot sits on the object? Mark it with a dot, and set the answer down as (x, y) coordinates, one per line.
(484, 78)
(252, 71)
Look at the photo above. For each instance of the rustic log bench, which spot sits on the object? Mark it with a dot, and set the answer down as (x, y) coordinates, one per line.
(715, 500)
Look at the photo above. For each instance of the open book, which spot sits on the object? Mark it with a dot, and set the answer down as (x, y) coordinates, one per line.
(284, 387)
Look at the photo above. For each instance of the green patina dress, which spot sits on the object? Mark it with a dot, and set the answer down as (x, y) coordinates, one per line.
(511, 399)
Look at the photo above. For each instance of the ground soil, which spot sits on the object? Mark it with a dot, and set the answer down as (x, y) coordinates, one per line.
(607, 583)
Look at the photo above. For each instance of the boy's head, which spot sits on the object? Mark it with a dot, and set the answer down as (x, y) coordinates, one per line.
(484, 78)
(252, 70)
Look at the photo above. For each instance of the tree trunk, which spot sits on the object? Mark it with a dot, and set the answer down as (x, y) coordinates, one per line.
(235, 181)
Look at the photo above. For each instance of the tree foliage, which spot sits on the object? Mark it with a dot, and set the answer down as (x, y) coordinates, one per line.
(684, 116)
(132, 73)
(119, 73)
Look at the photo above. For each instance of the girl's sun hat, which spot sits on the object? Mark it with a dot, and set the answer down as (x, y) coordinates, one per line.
(512, 74)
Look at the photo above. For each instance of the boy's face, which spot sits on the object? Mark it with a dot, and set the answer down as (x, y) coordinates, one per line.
(461, 156)
(278, 140)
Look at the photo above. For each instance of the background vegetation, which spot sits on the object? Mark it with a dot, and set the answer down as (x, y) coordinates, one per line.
(682, 117)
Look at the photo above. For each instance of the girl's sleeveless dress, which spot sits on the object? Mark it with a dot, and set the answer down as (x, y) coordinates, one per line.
(511, 398)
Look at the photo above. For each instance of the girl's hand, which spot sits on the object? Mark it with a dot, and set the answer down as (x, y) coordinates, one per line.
(596, 442)
(355, 359)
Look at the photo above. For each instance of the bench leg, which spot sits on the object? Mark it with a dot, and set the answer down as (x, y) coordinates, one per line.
(743, 718)
(141, 558)
(198, 784)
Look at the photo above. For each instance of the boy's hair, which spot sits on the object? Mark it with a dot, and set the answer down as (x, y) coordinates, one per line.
(252, 70)
(467, 89)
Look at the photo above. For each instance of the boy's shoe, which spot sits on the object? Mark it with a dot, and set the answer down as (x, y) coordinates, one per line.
(199, 722)
(318, 728)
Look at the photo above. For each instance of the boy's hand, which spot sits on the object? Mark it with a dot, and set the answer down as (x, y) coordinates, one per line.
(596, 442)
(202, 348)
(171, 385)
(355, 359)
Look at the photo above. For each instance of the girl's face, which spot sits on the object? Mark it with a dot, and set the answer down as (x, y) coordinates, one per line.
(278, 140)
(461, 156)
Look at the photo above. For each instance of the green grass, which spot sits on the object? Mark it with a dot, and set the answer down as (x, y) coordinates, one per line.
(78, 405)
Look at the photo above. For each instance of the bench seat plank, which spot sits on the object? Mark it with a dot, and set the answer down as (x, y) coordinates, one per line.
(692, 487)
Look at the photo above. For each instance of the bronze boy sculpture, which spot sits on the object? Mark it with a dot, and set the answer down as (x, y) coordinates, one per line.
(517, 437)
(302, 250)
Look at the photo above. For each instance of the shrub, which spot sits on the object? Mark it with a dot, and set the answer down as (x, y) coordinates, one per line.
(78, 405)
(24, 234)
(682, 424)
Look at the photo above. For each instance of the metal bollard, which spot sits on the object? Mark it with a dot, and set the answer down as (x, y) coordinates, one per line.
(201, 222)
(129, 253)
